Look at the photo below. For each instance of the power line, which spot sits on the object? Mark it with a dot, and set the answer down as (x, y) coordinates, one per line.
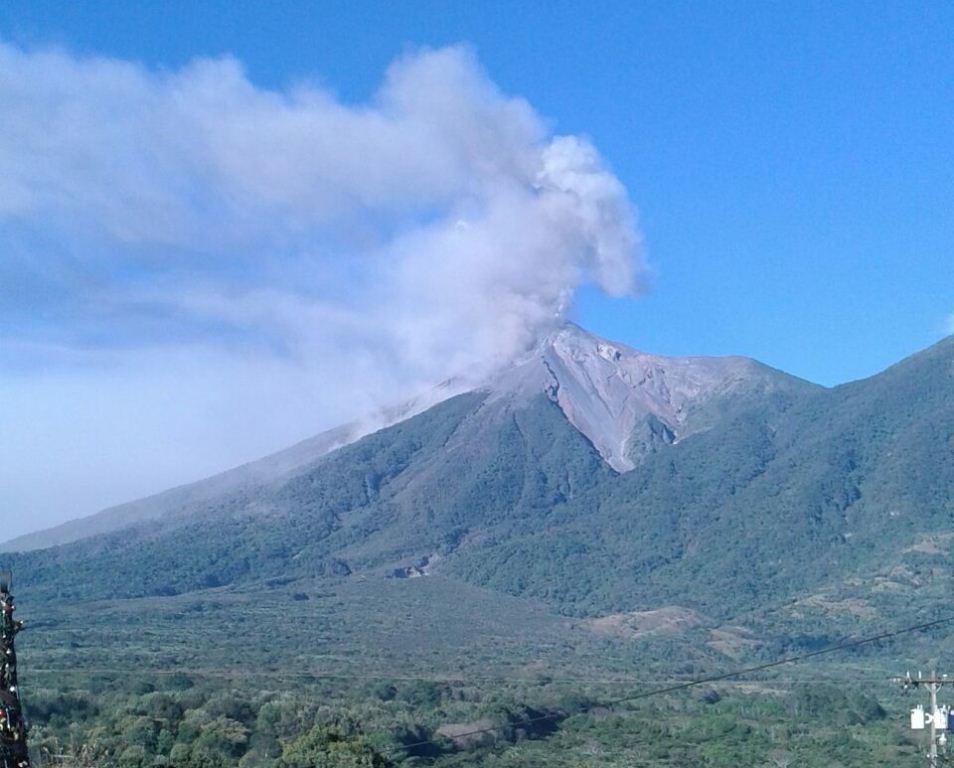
(845, 645)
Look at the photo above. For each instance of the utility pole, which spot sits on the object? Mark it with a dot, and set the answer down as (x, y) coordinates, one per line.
(13, 732)
(934, 719)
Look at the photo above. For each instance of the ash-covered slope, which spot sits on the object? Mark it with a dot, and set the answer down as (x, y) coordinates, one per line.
(628, 403)
(183, 503)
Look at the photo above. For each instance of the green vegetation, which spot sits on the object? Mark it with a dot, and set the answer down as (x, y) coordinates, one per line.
(175, 722)
(359, 670)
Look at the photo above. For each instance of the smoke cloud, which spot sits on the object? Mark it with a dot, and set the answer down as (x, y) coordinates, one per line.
(197, 270)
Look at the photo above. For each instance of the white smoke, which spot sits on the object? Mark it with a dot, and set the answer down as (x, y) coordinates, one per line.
(287, 255)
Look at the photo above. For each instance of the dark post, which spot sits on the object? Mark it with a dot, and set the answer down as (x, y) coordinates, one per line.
(13, 741)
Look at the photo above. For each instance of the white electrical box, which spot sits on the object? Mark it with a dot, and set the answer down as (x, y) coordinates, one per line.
(940, 719)
(917, 718)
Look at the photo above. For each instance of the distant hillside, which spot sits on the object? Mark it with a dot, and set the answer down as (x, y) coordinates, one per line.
(747, 488)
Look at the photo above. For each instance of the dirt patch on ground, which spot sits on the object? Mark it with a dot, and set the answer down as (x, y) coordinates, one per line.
(831, 606)
(670, 620)
(734, 642)
(469, 735)
(938, 544)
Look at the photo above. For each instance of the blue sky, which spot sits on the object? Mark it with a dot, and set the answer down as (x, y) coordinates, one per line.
(167, 315)
(792, 164)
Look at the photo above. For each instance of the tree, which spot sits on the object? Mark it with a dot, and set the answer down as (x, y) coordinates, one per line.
(324, 748)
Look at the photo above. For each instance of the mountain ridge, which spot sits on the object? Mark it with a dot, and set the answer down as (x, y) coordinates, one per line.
(625, 402)
(786, 495)
(781, 493)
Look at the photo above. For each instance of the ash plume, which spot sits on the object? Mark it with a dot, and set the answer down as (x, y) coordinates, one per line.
(193, 260)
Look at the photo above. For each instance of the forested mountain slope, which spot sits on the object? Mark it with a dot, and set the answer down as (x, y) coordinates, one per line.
(762, 489)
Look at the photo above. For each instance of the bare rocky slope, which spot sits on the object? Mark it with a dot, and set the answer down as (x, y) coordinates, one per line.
(627, 402)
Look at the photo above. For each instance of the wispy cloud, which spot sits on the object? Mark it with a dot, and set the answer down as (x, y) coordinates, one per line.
(287, 256)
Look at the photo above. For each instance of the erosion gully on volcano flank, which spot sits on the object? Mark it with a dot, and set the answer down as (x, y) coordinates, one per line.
(626, 401)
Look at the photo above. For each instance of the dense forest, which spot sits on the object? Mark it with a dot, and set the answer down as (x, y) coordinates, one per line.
(177, 721)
